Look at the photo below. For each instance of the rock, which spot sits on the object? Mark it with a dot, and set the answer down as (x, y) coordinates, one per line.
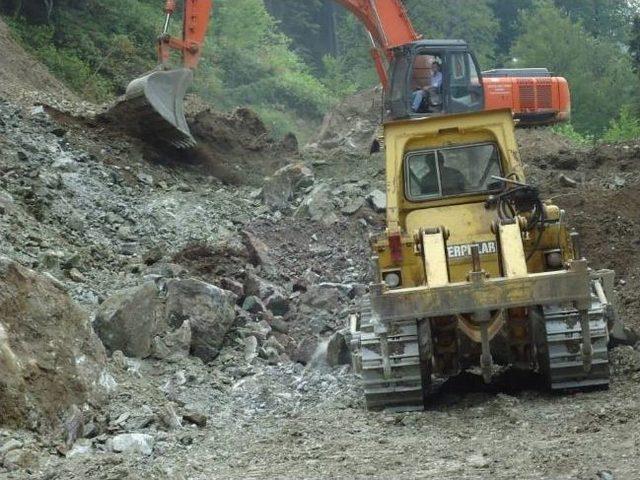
(318, 206)
(154, 255)
(81, 447)
(273, 343)
(132, 443)
(257, 286)
(233, 286)
(305, 350)
(159, 349)
(253, 304)
(196, 418)
(146, 179)
(260, 330)
(75, 275)
(278, 304)
(619, 182)
(73, 425)
(20, 458)
(287, 342)
(169, 417)
(9, 445)
(257, 250)
(478, 461)
(279, 325)
(377, 200)
(65, 164)
(566, 181)
(338, 350)
(353, 206)
(209, 309)
(322, 297)
(250, 348)
(277, 192)
(50, 358)
(120, 360)
(606, 475)
(280, 188)
(129, 320)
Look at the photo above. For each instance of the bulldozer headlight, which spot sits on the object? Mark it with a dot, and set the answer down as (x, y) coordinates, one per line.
(392, 279)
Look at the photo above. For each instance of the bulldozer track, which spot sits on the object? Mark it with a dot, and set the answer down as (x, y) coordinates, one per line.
(395, 384)
(561, 355)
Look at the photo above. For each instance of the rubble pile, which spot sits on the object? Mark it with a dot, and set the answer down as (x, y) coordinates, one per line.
(183, 317)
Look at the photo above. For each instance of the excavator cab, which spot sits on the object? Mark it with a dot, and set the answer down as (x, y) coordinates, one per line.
(414, 94)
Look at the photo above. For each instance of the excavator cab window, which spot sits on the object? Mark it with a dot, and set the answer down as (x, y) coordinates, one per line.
(413, 93)
(464, 87)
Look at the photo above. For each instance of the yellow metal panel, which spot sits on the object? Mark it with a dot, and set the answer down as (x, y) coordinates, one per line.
(468, 224)
(402, 136)
(514, 262)
(435, 259)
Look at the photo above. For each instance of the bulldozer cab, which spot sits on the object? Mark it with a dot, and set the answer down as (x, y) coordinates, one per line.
(441, 174)
(412, 90)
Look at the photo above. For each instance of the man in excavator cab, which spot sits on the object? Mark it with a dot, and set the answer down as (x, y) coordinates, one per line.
(427, 96)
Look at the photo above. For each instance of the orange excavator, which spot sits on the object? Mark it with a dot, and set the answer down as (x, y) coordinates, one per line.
(420, 77)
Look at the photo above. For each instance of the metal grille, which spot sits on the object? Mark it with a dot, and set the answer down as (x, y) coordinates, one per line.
(527, 94)
(544, 94)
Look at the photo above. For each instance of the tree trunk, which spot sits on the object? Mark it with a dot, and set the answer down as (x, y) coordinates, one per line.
(17, 9)
(48, 5)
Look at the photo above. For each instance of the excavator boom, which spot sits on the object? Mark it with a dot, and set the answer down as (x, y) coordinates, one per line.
(389, 27)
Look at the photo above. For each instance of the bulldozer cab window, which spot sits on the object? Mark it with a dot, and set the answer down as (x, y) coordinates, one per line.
(452, 171)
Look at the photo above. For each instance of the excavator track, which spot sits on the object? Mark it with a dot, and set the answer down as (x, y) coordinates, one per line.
(561, 354)
(390, 364)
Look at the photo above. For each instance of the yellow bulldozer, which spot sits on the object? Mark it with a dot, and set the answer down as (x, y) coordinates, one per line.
(474, 270)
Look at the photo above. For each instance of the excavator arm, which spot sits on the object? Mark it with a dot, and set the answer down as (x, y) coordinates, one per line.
(195, 24)
(388, 25)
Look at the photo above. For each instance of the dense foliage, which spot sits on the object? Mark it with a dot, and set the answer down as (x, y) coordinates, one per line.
(291, 60)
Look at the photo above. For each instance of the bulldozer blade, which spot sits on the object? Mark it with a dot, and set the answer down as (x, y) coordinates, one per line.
(153, 107)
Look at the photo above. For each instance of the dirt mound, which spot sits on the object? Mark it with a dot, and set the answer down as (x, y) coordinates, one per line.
(353, 123)
(598, 189)
(238, 145)
(536, 143)
(23, 79)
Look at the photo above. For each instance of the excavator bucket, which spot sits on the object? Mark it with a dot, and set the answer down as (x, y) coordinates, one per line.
(153, 107)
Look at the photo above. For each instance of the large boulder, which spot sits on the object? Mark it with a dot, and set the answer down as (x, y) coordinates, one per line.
(130, 319)
(50, 358)
(318, 206)
(209, 309)
(282, 186)
(162, 319)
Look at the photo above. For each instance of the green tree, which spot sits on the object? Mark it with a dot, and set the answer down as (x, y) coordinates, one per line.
(508, 15)
(601, 18)
(470, 20)
(598, 70)
(634, 43)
